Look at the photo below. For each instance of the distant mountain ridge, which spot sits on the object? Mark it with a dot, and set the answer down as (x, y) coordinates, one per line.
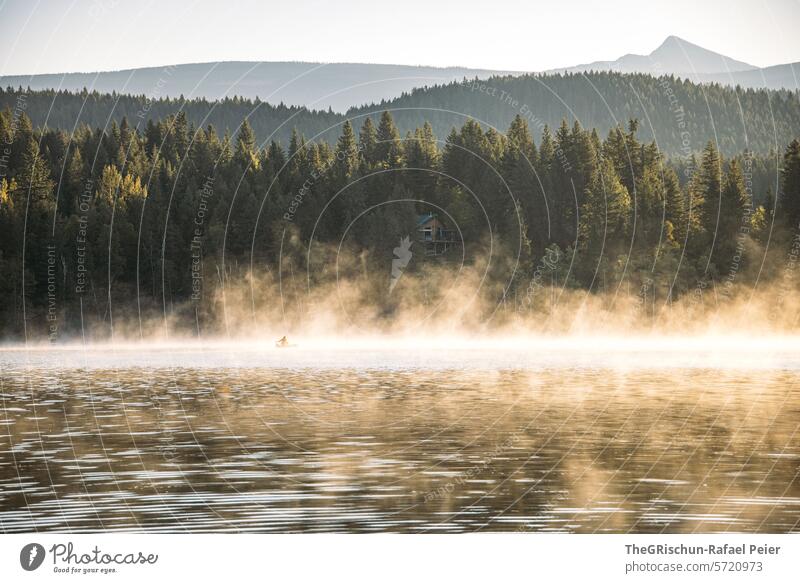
(342, 86)
(776, 77)
(674, 56)
(320, 86)
(679, 57)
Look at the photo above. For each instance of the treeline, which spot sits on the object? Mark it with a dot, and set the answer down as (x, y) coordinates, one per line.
(68, 111)
(103, 223)
(678, 114)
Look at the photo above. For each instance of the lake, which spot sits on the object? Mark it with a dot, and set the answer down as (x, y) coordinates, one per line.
(587, 436)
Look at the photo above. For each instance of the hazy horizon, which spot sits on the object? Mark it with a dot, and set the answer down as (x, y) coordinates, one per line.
(44, 34)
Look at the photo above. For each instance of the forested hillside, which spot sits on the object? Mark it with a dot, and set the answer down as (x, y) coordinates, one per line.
(121, 223)
(681, 116)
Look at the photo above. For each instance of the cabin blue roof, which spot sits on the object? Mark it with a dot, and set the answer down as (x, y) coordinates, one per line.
(422, 219)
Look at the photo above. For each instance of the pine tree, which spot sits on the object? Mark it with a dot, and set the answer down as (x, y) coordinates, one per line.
(518, 167)
(389, 148)
(789, 199)
(583, 159)
(675, 218)
(367, 143)
(544, 224)
(735, 212)
(617, 201)
(704, 200)
(246, 151)
(649, 204)
(423, 162)
(346, 154)
(33, 177)
(564, 194)
(605, 218)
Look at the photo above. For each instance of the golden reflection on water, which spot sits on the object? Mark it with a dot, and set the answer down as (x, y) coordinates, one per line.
(583, 448)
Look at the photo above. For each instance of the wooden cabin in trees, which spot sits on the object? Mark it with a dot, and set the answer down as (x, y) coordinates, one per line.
(434, 235)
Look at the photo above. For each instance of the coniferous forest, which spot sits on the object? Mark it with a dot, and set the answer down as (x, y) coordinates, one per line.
(679, 114)
(106, 220)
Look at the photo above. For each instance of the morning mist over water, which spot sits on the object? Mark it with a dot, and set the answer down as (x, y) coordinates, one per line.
(401, 440)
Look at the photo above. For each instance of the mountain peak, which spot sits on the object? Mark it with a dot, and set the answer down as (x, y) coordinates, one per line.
(676, 56)
(673, 42)
(672, 39)
(680, 55)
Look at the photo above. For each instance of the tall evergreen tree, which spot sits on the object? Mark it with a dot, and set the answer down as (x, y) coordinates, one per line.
(675, 217)
(367, 143)
(735, 211)
(789, 199)
(704, 200)
(389, 147)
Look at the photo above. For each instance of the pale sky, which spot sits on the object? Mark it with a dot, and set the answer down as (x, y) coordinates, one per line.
(55, 36)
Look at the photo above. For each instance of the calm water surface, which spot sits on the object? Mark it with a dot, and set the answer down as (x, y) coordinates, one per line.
(369, 441)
